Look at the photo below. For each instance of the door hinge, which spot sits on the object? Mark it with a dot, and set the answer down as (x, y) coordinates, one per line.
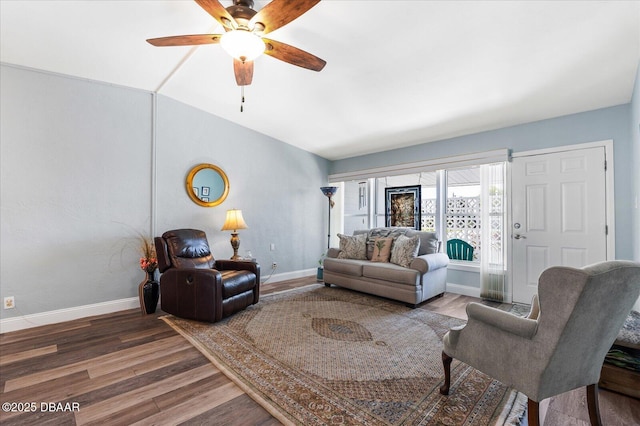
(605, 165)
(606, 230)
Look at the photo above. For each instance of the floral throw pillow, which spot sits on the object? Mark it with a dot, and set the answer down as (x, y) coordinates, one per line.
(353, 247)
(404, 250)
(381, 249)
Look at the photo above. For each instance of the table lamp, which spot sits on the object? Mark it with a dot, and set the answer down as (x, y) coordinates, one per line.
(233, 222)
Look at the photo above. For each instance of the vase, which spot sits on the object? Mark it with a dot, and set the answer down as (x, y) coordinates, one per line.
(149, 293)
(320, 274)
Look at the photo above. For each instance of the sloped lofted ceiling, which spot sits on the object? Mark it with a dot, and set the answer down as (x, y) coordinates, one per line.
(398, 73)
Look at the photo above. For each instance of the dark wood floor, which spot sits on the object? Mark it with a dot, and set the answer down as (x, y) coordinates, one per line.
(126, 368)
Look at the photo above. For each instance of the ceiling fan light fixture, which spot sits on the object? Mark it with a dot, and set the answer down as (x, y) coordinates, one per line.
(242, 44)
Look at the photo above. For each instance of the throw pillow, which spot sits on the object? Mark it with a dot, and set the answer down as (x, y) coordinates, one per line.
(382, 232)
(353, 247)
(381, 249)
(405, 249)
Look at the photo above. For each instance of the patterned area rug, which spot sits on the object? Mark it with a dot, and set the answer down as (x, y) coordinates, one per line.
(330, 356)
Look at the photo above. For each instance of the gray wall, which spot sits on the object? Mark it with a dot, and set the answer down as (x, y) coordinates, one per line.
(74, 189)
(276, 186)
(77, 186)
(634, 130)
(608, 123)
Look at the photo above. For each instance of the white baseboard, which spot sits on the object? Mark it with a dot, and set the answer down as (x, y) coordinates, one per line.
(287, 276)
(68, 314)
(465, 290)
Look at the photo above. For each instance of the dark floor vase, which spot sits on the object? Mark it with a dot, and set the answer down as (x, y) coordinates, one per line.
(149, 293)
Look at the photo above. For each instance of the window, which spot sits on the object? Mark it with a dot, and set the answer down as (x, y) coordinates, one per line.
(458, 213)
(356, 205)
(463, 207)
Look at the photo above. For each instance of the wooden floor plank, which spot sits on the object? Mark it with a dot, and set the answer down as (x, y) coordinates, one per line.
(184, 394)
(196, 405)
(43, 376)
(104, 409)
(145, 355)
(240, 411)
(31, 353)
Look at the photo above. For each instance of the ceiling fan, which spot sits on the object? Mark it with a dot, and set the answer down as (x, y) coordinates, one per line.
(244, 30)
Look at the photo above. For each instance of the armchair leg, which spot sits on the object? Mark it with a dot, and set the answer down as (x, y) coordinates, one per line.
(533, 412)
(446, 363)
(592, 404)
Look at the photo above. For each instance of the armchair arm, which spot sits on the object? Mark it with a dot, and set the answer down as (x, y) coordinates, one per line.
(239, 265)
(535, 308)
(429, 262)
(192, 275)
(333, 252)
(494, 318)
(523, 327)
(192, 293)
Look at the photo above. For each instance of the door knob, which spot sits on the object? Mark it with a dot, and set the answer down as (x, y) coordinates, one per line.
(518, 236)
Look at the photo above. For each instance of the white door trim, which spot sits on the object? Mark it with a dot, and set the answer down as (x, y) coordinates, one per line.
(609, 194)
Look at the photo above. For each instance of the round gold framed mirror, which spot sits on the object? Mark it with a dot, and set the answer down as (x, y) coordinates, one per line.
(207, 185)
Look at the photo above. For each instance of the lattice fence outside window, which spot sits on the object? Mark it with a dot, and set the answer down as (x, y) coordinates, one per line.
(428, 215)
(464, 221)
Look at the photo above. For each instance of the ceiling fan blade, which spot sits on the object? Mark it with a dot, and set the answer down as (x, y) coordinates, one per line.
(279, 13)
(185, 40)
(219, 13)
(243, 72)
(293, 55)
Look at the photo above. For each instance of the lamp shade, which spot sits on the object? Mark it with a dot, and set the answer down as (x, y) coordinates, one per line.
(234, 221)
(242, 44)
(329, 191)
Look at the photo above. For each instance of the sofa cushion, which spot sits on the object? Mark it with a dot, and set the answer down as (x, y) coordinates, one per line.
(404, 250)
(390, 272)
(345, 266)
(429, 242)
(381, 249)
(353, 247)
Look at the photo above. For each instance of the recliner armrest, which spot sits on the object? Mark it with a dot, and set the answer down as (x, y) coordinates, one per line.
(429, 262)
(239, 265)
(191, 275)
(192, 293)
(523, 327)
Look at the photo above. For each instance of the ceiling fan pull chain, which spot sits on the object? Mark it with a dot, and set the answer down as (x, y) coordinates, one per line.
(241, 98)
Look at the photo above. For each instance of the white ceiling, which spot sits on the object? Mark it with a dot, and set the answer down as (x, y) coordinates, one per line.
(398, 73)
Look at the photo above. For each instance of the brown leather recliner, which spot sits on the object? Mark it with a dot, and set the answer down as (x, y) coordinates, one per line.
(195, 286)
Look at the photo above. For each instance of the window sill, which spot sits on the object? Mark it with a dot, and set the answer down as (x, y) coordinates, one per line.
(467, 266)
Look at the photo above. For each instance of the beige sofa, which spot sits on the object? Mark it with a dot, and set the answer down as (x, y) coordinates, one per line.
(424, 278)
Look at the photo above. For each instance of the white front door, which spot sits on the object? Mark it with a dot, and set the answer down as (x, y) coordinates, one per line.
(558, 214)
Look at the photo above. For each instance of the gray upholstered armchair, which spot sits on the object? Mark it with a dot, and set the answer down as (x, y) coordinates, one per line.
(561, 345)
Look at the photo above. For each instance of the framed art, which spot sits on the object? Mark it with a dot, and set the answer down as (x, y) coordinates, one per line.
(402, 206)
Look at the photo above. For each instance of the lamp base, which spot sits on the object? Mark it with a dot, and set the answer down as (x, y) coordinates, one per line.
(235, 244)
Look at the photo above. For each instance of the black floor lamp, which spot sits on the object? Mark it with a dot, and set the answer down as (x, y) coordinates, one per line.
(329, 191)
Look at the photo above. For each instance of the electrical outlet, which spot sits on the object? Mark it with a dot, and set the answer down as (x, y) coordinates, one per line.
(274, 265)
(9, 302)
